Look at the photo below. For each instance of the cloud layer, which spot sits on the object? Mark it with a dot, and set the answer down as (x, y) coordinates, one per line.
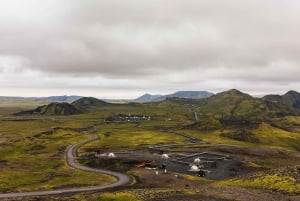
(152, 45)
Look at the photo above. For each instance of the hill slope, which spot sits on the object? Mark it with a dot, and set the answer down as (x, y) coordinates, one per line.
(53, 109)
(291, 99)
(254, 108)
(233, 105)
(89, 102)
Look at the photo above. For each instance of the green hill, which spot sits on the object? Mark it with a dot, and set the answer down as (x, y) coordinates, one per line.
(238, 105)
(89, 102)
(53, 109)
(291, 99)
(231, 110)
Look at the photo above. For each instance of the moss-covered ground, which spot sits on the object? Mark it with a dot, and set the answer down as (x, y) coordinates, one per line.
(32, 148)
(32, 155)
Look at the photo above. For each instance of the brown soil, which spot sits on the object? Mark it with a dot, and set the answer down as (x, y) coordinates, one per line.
(170, 186)
(266, 152)
(176, 187)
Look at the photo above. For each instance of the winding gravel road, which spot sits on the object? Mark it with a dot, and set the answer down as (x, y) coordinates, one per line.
(123, 179)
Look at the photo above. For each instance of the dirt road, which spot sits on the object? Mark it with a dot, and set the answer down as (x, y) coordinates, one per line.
(70, 159)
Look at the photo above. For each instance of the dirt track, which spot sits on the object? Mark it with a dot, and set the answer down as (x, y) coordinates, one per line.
(122, 178)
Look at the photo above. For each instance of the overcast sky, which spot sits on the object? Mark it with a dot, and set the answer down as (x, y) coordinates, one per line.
(124, 48)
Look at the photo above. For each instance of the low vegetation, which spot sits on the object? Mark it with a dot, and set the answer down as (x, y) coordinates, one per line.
(285, 180)
(32, 156)
(263, 135)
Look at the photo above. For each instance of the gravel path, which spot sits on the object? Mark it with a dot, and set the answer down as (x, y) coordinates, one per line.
(70, 159)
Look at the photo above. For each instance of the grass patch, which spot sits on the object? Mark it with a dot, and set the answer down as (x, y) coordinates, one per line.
(284, 180)
(271, 182)
(194, 178)
(272, 136)
(34, 155)
(127, 136)
(118, 196)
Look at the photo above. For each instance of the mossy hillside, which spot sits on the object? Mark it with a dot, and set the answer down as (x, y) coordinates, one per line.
(16, 128)
(33, 158)
(15, 180)
(52, 109)
(289, 123)
(272, 136)
(225, 101)
(128, 136)
(159, 125)
(223, 104)
(160, 111)
(89, 103)
(235, 104)
(215, 137)
(291, 99)
(272, 182)
(138, 195)
(118, 196)
(36, 143)
(263, 135)
(285, 180)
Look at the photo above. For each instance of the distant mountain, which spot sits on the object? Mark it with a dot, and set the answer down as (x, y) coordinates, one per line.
(179, 94)
(68, 99)
(12, 98)
(147, 98)
(117, 101)
(49, 99)
(53, 109)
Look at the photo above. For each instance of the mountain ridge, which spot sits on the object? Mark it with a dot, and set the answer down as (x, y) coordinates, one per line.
(290, 99)
(63, 98)
(179, 94)
(230, 104)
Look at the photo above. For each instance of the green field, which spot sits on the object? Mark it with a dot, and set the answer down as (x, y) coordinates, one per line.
(32, 155)
(32, 147)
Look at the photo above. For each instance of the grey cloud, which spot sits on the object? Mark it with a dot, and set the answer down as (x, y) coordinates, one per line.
(217, 39)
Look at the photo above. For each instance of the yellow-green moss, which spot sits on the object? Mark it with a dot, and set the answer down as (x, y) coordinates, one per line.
(119, 196)
(273, 182)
